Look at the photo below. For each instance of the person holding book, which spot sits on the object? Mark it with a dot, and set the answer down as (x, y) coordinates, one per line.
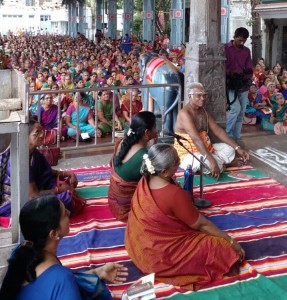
(35, 272)
(168, 236)
(127, 161)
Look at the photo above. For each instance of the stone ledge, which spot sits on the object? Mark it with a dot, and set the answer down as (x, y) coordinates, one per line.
(14, 116)
(10, 104)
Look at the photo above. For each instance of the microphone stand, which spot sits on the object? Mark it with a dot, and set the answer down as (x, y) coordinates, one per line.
(200, 202)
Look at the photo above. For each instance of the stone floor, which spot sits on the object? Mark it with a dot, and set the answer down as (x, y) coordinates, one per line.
(252, 138)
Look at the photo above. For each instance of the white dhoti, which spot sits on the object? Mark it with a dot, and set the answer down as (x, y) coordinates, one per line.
(223, 154)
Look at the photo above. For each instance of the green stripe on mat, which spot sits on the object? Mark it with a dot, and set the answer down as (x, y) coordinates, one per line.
(261, 288)
(281, 281)
(93, 192)
(224, 178)
(102, 191)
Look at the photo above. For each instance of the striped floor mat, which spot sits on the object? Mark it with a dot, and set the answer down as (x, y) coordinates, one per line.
(252, 211)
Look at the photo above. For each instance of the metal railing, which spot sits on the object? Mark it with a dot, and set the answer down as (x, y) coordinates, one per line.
(161, 109)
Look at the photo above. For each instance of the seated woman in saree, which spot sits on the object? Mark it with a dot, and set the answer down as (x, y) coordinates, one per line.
(126, 163)
(42, 178)
(88, 98)
(86, 118)
(49, 117)
(33, 99)
(35, 272)
(278, 114)
(131, 104)
(40, 80)
(105, 115)
(168, 236)
(253, 103)
(269, 95)
(5, 188)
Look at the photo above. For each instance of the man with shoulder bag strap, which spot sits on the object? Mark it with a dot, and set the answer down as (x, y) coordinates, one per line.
(238, 80)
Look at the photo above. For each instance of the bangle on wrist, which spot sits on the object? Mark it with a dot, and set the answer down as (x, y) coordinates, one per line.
(236, 148)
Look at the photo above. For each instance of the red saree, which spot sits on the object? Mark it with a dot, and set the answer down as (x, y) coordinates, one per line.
(120, 193)
(176, 253)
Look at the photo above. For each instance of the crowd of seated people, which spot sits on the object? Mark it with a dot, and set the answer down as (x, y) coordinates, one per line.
(142, 189)
(61, 62)
(267, 98)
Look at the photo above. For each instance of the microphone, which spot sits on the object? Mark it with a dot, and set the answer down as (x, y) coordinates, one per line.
(176, 136)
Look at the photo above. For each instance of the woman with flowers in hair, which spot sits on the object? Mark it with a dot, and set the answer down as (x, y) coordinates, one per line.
(127, 161)
(168, 236)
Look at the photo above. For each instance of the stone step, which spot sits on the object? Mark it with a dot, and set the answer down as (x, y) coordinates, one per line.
(5, 252)
(10, 104)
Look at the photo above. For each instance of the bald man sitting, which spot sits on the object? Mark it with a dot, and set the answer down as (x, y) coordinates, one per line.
(194, 123)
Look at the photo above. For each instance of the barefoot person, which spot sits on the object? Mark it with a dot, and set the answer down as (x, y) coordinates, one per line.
(194, 123)
(168, 236)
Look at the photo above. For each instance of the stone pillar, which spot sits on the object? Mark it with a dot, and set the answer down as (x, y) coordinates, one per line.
(128, 17)
(112, 19)
(73, 19)
(256, 33)
(69, 18)
(82, 17)
(99, 14)
(148, 20)
(177, 21)
(205, 55)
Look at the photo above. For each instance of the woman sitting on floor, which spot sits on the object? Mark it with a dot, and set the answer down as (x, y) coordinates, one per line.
(35, 272)
(105, 115)
(168, 236)
(86, 118)
(127, 161)
(279, 115)
(42, 178)
(49, 116)
(131, 104)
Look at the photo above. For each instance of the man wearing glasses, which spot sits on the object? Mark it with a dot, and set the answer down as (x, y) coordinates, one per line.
(193, 124)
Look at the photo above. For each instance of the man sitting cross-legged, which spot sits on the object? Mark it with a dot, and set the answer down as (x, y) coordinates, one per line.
(193, 123)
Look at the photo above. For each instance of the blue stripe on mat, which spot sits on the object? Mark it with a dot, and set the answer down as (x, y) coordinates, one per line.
(95, 239)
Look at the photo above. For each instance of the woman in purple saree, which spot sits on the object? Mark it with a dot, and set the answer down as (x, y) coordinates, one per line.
(49, 116)
(42, 178)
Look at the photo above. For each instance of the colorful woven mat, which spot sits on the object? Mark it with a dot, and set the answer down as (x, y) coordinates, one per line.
(253, 211)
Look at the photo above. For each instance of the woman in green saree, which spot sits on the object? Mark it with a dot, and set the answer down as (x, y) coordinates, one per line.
(127, 161)
(105, 115)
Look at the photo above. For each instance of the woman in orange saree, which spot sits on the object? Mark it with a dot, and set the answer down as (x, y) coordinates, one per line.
(167, 235)
(127, 161)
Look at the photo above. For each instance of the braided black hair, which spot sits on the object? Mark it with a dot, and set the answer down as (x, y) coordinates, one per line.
(140, 123)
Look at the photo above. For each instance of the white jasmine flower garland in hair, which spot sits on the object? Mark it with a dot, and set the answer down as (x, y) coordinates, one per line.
(130, 132)
(149, 165)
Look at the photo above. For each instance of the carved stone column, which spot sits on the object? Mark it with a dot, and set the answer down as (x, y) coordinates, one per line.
(177, 12)
(205, 57)
(69, 19)
(148, 20)
(128, 17)
(99, 15)
(82, 17)
(73, 19)
(112, 19)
